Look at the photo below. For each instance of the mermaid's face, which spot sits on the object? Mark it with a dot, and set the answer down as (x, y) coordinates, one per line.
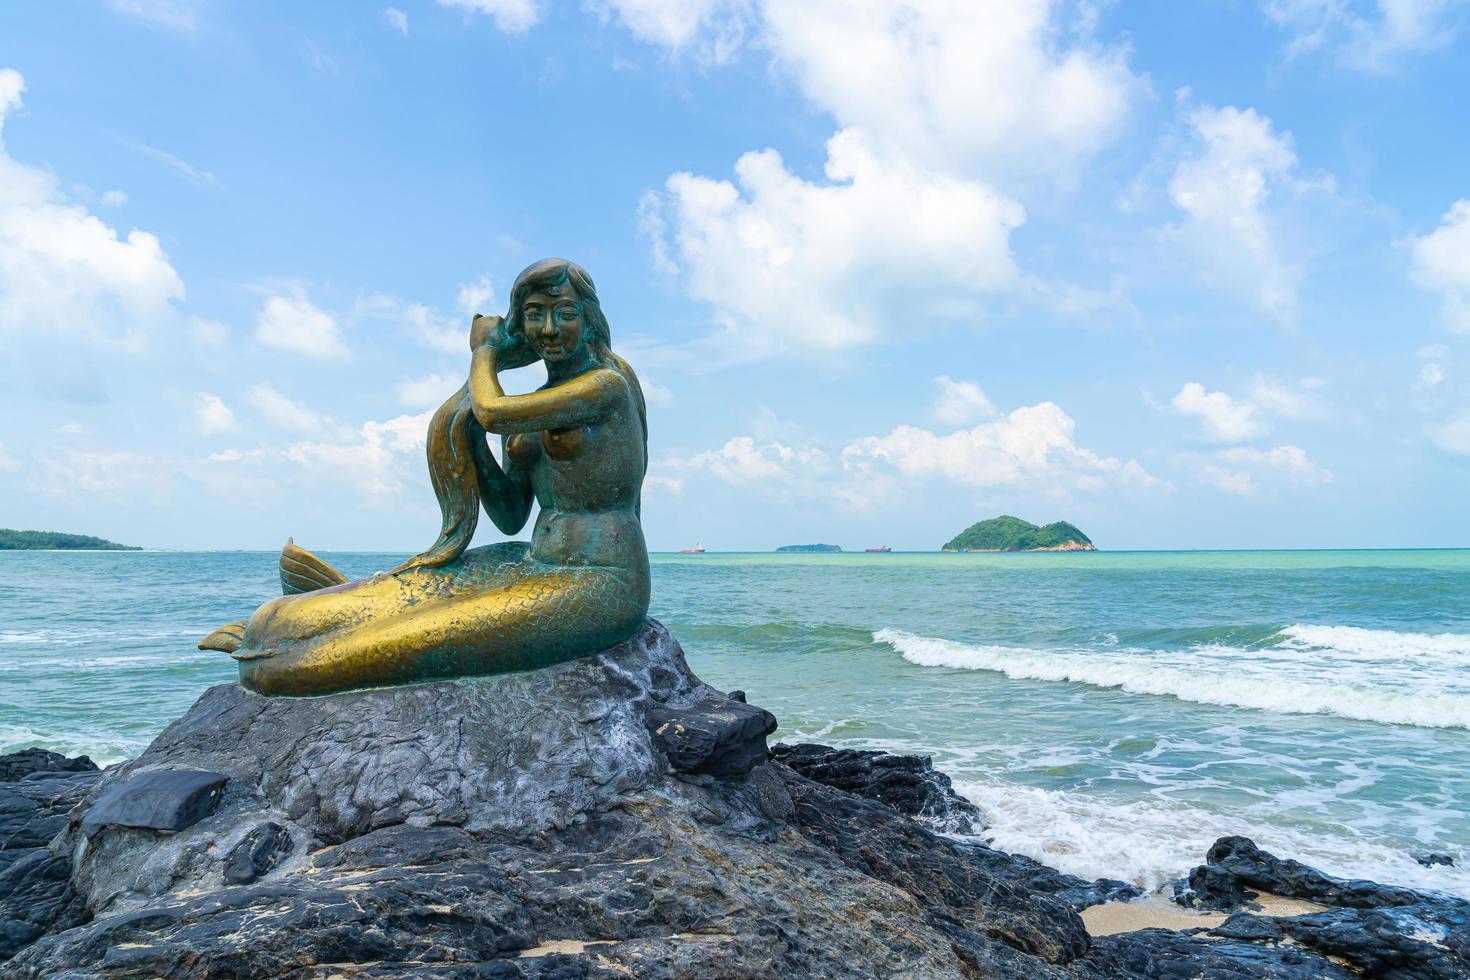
(552, 320)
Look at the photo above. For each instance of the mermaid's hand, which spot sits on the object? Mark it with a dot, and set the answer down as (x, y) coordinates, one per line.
(484, 330)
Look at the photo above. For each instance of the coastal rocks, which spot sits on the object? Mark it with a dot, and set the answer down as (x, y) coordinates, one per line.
(908, 783)
(18, 765)
(161, 799)
(1234, 865)
(555, 824)
(724, 738)
(36, 893)
(1383, 930)
(528, 825)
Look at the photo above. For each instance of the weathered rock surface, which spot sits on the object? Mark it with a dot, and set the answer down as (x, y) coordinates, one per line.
(18, 765)
(536, 825)
(908, 783)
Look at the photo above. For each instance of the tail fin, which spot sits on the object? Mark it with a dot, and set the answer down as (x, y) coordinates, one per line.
(301, 571)
(228, 638)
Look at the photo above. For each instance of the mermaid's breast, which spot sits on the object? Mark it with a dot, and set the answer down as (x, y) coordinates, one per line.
(523, 449)
(564, 443)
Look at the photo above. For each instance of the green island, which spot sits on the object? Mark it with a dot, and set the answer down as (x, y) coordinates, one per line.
(12, 540)
(810, 548)
(1008, 533)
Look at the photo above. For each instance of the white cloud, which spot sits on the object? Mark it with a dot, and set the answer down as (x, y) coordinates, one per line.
(1441, 264)
(476, 298)
(63, 271)
(743, 460)
(292, 322)
(1453, 435)
(396, 19)
(375, 463)
(713, 29)
(1002, 87)
(293, 416)
(792, 264)
(1032, 445)
(1286, 402)
(1225, 187)
(182, 15)
(1236, 470)
(1431, 374)
(428, 390)
(185, 169)
(1371, 35)
(212, 415)
(960, 402)
(511, 16)
(1222, 418)
(114, 199)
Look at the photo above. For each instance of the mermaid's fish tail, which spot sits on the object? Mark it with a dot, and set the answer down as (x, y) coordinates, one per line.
(301, 571)
(228, 638)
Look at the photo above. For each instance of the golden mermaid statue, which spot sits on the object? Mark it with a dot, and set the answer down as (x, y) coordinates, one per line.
(577, 446)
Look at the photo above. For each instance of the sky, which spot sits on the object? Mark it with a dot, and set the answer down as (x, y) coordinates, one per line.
(1188, 275)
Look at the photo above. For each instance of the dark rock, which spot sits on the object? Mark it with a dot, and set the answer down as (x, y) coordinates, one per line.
(738, 696)
(908, 783)
(1234, 864)
(1424, 942)
(717, 737)
(16, 765)
(1161, 954)
(1243, 925)
(36, 896)
(1077, 893)
(36, 893)
(1432, 858)
(528, 825)
(160, 799)
(257, 853)
(1212, 887)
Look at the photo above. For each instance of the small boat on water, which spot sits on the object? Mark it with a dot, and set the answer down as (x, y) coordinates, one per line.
(696, 550)
(878, 551)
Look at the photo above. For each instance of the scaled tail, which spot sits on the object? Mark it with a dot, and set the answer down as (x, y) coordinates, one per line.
(301, 571)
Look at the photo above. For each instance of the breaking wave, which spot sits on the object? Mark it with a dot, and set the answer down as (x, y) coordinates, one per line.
(1366, 675)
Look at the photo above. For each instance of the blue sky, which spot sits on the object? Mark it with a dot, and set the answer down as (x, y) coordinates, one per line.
(1188, 275)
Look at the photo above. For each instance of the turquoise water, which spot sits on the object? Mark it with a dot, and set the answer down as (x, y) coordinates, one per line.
(1111, 713)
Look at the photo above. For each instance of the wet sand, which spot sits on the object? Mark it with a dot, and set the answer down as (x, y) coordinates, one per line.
(1159, 912)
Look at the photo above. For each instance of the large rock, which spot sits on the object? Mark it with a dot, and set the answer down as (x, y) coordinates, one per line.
(539, 825)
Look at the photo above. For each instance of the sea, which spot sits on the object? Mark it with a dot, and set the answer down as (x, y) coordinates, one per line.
(1110, 713)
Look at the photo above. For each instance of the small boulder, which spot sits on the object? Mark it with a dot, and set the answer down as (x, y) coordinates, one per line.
(163, 799)
(257, 853)
(721, 738)
(1435, 857)
(17, 765)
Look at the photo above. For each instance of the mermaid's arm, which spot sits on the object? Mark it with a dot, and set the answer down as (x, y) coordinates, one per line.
(505, 491)
(585, 398)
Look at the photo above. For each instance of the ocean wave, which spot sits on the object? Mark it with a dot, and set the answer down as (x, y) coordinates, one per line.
(1384, 644)
(105, 749)
(1151, 842)
(1224, 676)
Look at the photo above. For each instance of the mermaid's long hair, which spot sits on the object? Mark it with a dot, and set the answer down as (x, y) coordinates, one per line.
(457, 449)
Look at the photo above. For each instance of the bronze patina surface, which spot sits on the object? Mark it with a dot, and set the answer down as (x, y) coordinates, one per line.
(577, 447)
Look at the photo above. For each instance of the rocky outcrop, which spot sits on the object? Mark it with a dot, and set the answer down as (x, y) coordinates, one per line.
(908, 783)
(37, 792)
(559, 823)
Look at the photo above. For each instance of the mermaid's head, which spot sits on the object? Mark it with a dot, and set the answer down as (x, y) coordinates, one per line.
(552, 294)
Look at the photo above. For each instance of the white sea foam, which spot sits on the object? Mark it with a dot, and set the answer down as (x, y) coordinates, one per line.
(105, 749)
(1386, 644)
(1150, 842)
(1297, 681)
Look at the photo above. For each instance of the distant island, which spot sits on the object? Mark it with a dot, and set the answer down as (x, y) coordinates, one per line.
(11, 540)
(810, 548)
(1008, 533)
